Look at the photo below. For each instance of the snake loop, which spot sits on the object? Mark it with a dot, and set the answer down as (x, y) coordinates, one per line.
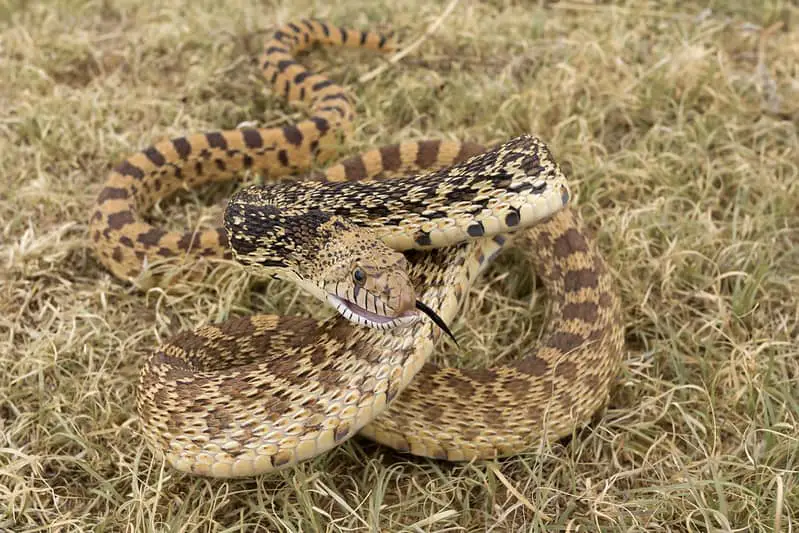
(255, 394)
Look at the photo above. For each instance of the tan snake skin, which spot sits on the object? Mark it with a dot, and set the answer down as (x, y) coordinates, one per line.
(260, 393)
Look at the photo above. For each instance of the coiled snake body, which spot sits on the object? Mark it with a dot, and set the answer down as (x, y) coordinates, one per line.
(255, 394)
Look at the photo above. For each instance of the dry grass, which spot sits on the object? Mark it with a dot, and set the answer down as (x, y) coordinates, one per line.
(678, 125)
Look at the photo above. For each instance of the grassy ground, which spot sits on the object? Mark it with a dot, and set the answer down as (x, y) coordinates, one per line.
(677, 124)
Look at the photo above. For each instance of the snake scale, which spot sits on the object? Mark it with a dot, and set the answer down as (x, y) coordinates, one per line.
(380, 236)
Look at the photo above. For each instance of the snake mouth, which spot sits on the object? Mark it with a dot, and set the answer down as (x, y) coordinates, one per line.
(357, 314)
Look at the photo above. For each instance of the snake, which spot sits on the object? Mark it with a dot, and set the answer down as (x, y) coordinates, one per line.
(392, 239)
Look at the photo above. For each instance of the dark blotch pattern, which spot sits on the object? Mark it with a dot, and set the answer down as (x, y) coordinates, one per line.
(252, 139)
(151, 237)
(182, 147)
(126, 168)
(216, 140)
(156, 157)
(512, 218)
(112, 193)
(476, 230)
(119, 220)
(428, 153)
(293, 135)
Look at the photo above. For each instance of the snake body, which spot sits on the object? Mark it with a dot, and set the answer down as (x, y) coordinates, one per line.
(256, 394)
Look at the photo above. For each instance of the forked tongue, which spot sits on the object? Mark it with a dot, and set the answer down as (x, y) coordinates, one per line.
(437, 319)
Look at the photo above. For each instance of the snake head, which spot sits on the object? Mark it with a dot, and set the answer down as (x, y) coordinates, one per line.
(366, 281)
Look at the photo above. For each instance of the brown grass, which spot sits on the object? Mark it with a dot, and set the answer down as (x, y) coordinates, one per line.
(678, 126)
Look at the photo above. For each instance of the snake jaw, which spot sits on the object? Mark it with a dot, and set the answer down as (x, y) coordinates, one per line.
(357, 314)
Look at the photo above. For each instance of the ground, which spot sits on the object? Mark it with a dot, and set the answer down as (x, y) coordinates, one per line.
(677, 125)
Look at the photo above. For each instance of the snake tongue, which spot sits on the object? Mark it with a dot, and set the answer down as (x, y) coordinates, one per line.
(421, 306)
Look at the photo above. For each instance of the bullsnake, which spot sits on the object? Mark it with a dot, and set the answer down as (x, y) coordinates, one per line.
(260, 393)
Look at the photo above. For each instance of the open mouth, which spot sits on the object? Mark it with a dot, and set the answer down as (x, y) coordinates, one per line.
(355, 313)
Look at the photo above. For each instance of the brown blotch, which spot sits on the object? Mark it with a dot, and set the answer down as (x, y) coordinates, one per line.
(216, 140)
(182, 147)
(564, 341)
(321, 124)
(283, 157)
(293, 135)
(166, 252)
(354, 169)
(390, 157)
(96, 235)
(428, 153)
(155, 157)
(605, 300)
(117, 255)
(126, 168)
(151, 237)
(119, 220)
(571, 241)
(566, 369)
(463, 387)
(532, 366)
(586, 311)
(241, 327)
(252, 139)
(221, 237)
(575, 280)
(433, 412)
(467, 150)
(189, 240)
(112, 193)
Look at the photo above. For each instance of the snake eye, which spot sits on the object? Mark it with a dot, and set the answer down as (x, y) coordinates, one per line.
(359, 275)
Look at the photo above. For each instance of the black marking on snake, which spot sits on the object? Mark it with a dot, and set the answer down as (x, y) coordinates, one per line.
(276, 50)
(300, 77)
(318, 86)
(283, 64)
(126, 168)
(216, 140)
(155, 157)
(476, 229)
(182, 147)
(512, 218)
(437, 320)
(423, 239)
(252, 139)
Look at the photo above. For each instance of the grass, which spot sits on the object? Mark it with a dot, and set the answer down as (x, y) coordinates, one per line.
(676, 121)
